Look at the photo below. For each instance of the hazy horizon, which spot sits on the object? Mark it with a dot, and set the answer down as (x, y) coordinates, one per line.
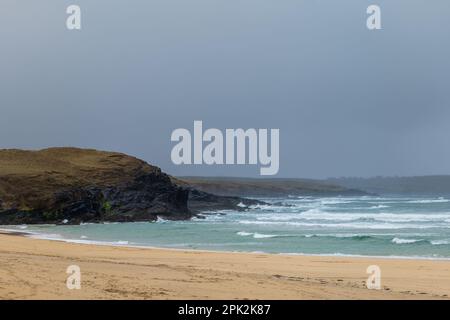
(349, 102)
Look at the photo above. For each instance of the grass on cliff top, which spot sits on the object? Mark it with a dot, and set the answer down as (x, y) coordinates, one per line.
(27, 177)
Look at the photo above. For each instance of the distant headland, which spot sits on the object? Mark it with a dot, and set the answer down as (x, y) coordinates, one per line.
(73, 185)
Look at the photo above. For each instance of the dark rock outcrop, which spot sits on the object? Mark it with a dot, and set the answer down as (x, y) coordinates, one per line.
(200, 201)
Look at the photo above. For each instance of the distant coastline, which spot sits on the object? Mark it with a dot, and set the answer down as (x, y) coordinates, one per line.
(269, 187)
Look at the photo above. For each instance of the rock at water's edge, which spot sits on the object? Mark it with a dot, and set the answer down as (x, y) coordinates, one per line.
(56, 184)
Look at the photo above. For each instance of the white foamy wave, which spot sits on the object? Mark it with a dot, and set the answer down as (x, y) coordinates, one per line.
(241, 205)
(244, 234)
(335, 201)
(355, 225)
(301, 198)
(267, 207)
(263, 236)
(47, 236)
(278, 217)
(380, 206)
(425, 201)
(256, 235)
(405, 241)
(319, 215)
(439, 242)
(9, 230)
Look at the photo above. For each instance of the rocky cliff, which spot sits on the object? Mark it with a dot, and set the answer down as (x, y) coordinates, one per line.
(74, 185)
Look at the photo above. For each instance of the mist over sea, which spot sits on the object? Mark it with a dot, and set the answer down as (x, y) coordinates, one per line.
(367, 225)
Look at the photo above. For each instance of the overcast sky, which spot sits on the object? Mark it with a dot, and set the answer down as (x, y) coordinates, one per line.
(348, 101)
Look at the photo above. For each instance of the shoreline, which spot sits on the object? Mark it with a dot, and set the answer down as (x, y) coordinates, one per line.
(36, 269)
(38, 236)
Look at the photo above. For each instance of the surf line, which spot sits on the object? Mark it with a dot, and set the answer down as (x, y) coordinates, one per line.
(233, 151)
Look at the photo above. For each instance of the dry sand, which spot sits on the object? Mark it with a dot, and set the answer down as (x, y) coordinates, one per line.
(36, 269)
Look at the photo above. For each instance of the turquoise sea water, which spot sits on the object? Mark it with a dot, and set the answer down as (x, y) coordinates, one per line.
(373, 226)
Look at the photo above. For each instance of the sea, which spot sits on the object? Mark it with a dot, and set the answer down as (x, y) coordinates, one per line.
(400, 227)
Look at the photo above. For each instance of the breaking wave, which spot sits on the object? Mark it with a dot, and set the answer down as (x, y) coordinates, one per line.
(406, 241)
(256, 235)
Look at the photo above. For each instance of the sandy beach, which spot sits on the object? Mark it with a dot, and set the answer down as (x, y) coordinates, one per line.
(36, 269)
